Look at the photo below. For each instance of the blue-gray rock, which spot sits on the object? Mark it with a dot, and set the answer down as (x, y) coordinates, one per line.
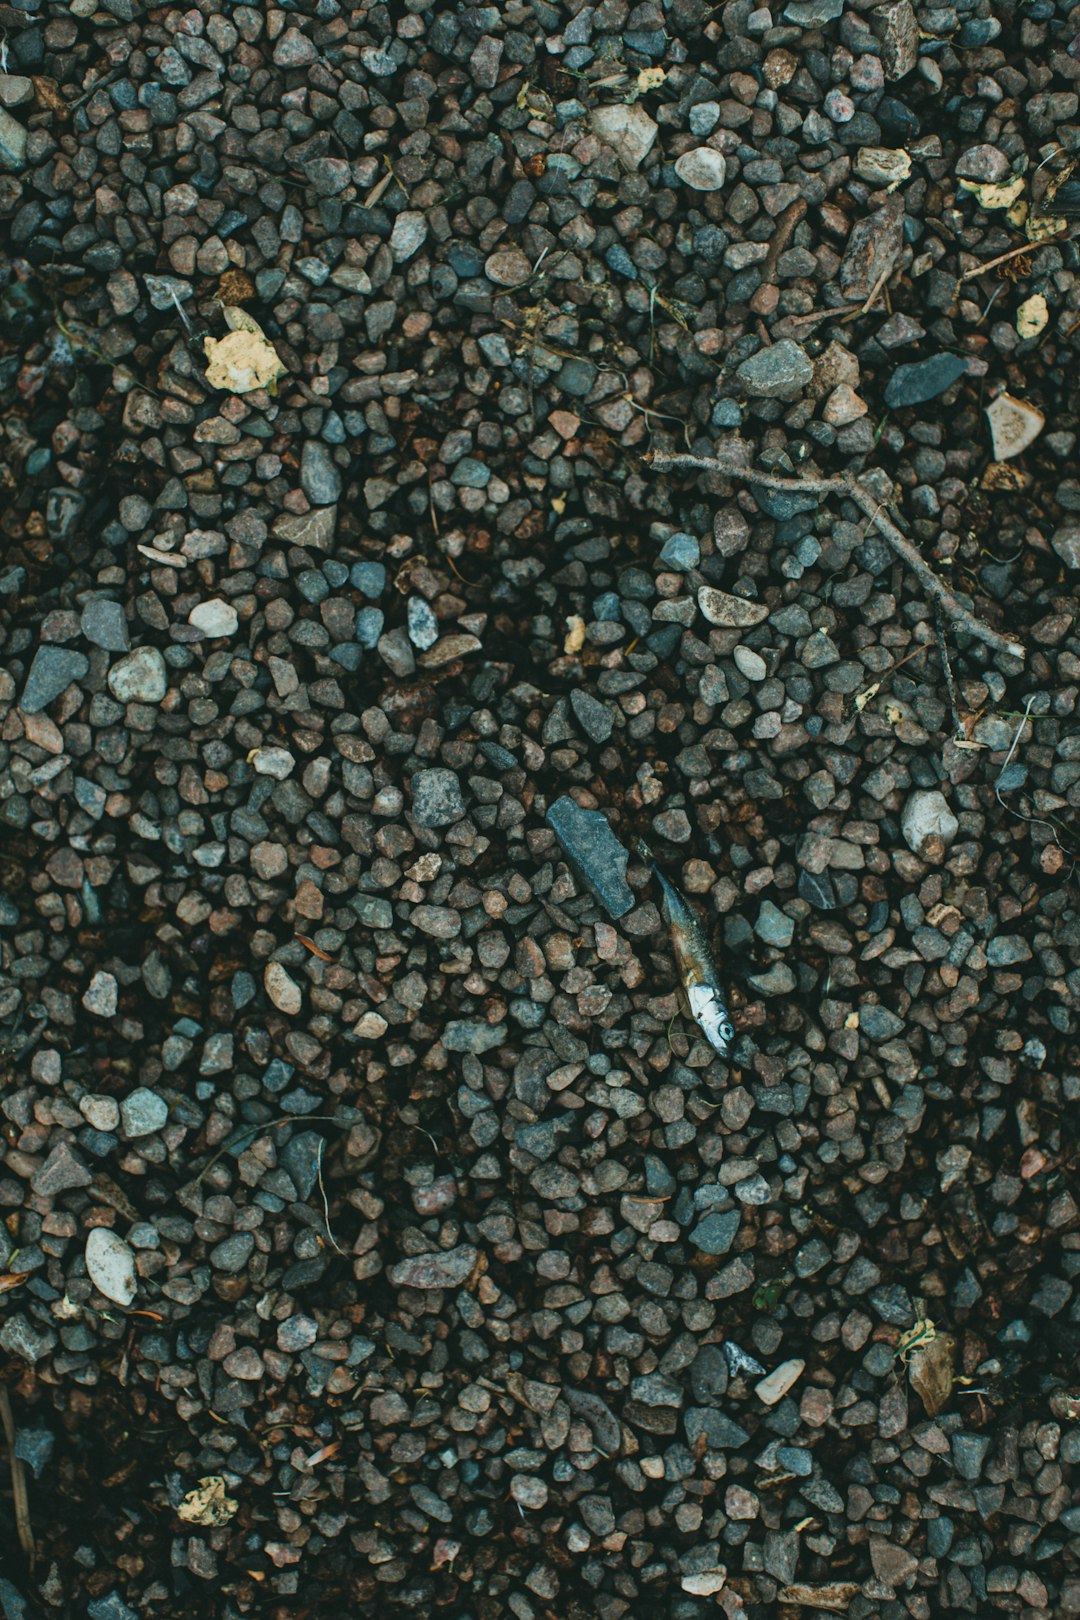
(368, 577)
(320, 479)
(879, 1023)
(300, 1159)
(812, 13)
(462, 1036)
(1005, 950)
(13, 1606)
(969, 1453)
(63, 509)
(52, 672)
(232, 1253)
(680, 552)
(143, 1112)
(30, 1340)
(110, 1607)
(717, 1232)
(35, 1446)
(105, 624)
(721, 1433)
(595, 718)
(774, 926)
(709, 1375)
(423, 625)
(781, 371)
(816, 888)
(436, 797)
(926, 379)
(13, 138)
(594, 852)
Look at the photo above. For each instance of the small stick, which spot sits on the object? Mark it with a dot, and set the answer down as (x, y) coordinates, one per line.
(19, 1496)
(848, 484)
(325, 1200)
(950, 684)
(1013, 253)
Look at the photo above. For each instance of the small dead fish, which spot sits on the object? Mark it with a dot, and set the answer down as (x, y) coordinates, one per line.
(697, 969)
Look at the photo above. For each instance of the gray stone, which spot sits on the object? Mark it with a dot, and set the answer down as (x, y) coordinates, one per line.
(896, 28)
(320, 479)
(709, 1375)
(142, 1112)
(443, 1269)
(62, 1171)
(102, 995)
(721, 1433)
(105, 624)
(316, 528)
(1066, 542)
(408, 235)
(925, 379)
(436, 797)
(969, 1453)
(300, 1158)
(781, 371)
(879, 1023)
(110, 1607)
(774, 926)
(422, 623)
(893, 1565)
(52, 672)
(595, 718)
(628, 130)
(812, 13)
(594, 852)
(816, 888)
(13, 140)
(1006, 950)
(19, 1336)
(141, 677)
(717, 1232)
(927, 822)
(460, 1036)
(232, 1253)
(984, 164)
(681, 552)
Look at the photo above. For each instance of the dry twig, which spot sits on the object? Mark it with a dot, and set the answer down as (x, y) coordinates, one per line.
(20, 1498)
(848, 484)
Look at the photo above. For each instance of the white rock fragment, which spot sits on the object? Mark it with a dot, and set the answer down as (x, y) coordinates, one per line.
(102, 995)
(103, 1113)
(111, 1266)
(775, 1385)
(1014, 424)
(370, 1026)
(701, 169)
(882, 165)
(629, 131)
(750, 663)
(707, 1584)
(282, 989)
(927, 823)
(730, 612)
(141, 677)
(1032, 316)
(843, 406)
(275, 762)
(215, 618)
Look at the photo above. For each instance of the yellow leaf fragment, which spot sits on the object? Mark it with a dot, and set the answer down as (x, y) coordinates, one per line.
(864, 697)
(650, 79)
(243, 360)
(208, 1503)
(835, 1597)
(1044, 227)
(1032, 316)
(995, 196)
(930, 1369)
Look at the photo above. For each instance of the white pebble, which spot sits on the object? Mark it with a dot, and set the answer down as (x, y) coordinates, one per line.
(750, 663)
(776, 1384)
(701, 169)
(111, 1265)
(282, 989)
(214, 618)
(102, 995)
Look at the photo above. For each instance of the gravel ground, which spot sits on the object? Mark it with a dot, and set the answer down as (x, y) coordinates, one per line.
(378, 1235)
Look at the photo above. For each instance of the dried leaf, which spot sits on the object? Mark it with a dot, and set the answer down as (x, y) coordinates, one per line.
(930, 1369)
(650, 79)
(995, 196)
(245, 359)
(49, 96)
(835, 1597)
(575, 634)
(1044, 227)
(208, 1503)
(1032, 316)
(235, 287)
(864, 697)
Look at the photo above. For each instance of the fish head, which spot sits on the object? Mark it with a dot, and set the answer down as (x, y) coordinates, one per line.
(710, 1013)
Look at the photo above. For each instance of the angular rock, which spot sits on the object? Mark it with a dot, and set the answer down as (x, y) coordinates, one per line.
(282, 989)
(52, 672)
(775, 1385)
(141, 677)
(781, 371)
(105, 624)
(594, 852)
(1014, 425)
(437, 798)
(315, 528)
(895, 27)
(142, 1112)
(702, 169)
(214, 618)
(873, 250)
(927, 823)
(320, 478)
(925, 379)
(13, 141)
(446, 1268)
(628, 130)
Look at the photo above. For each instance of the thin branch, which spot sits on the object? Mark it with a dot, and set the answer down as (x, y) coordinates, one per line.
(20, 1497)
(848, 484)
(950, 684)
(1013, 253)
